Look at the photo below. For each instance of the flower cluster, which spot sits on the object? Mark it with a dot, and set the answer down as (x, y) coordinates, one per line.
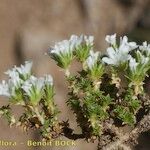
(35, 95)
(145, 47)
(92, 59)
(34, 87)
(94, 65)
(17, 76)
(82, 47)
(22, 85)
(63, 52)
(118, 55)
(130, 58)
(138, 70)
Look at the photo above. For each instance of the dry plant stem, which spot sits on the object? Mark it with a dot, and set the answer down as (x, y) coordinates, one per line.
(97, 84)
(67, 72)
(124, 140)
(36, 111)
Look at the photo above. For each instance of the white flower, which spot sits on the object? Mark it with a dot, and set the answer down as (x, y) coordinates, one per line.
(126, 46)
(138, 66)
(13, 85)
(89, 40)
(33, 86)
(17, 73)
(12, 73)
(34, 89)
(48, 80)
(143, 60)
(145, 47)
(14, 80)
(120, 54)
(63, 47)
(92, 59)
(32, 79)
(111, 39)
(25, 69)
(4, 89)
(115, 57)
(76, 40)
(40, 83)
(133, 64)
(68, 46)
(27, 87)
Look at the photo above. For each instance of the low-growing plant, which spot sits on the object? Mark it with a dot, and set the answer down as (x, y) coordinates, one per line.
(105, 95)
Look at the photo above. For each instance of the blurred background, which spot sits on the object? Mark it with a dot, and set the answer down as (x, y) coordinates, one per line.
(29, 27)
